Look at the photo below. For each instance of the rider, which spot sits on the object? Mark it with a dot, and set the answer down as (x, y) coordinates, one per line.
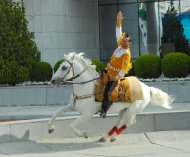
(118, 66)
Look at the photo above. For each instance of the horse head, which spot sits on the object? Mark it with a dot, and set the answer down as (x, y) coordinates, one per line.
(65, 70)
(72, 68)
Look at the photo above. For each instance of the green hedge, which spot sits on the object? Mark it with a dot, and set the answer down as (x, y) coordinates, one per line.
(11, 73)
(99, 65)
(57, 65)
(41, 71)
(175, 65)
(148, 66)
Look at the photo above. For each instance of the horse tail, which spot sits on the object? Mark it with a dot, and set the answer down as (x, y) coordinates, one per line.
(160, 98)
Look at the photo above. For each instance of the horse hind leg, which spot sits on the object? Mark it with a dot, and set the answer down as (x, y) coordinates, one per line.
(129, 117)
(115, 128)
(121, 126)
(57, 113)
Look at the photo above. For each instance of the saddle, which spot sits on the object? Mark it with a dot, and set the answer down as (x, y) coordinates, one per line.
(126, 90)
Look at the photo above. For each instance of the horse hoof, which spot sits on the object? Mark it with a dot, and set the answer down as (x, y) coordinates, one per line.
(113, 139)
(50, 131)
(102, 139)
(85, 135)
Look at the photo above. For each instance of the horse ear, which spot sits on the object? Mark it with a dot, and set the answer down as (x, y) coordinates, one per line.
(67, 58)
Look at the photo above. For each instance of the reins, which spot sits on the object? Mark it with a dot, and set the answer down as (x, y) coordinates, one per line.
(84, 82)
(74, 77)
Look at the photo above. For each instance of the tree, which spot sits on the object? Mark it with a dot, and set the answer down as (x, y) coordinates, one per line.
(18, 50)
(173, 31)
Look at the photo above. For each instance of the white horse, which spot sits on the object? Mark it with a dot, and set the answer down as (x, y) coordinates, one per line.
(82, 74)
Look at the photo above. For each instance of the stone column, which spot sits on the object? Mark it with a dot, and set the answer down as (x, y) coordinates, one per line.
(152, 32)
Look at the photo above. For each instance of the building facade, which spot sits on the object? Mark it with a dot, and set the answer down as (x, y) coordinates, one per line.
(63, 26)
(143, 20)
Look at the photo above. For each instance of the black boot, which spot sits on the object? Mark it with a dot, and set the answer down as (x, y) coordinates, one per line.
(107, 101)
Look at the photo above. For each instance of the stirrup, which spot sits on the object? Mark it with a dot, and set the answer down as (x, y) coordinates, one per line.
(103, 114)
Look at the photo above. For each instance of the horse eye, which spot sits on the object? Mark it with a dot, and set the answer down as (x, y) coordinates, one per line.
(64, 67)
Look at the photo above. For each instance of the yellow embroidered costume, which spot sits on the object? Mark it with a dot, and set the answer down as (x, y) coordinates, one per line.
(118, 66)
(120, 62)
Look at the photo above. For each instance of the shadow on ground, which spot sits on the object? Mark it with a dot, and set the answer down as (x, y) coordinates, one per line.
(40, 147)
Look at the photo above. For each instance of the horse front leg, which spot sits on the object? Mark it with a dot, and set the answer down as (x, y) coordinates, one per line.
(57, 113)
(79, 122)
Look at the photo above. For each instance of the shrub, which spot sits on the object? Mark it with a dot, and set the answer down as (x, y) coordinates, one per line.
(173, 31)
(99, 65)
(41, 71)
(148, 66)
(175, 65)
(18, 51)
(57, 65)
(11, 73)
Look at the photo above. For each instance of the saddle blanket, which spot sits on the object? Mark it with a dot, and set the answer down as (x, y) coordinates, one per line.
(126, 90)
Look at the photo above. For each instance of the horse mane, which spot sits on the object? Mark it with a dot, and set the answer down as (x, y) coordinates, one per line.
(84, 61)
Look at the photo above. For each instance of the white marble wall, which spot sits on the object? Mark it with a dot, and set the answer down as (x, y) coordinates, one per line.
(62, 26)
(46, 95)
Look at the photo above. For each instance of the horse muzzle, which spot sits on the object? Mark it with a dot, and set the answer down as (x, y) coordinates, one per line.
(55, 82)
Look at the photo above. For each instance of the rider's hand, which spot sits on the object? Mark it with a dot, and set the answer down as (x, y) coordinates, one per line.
(120, 16)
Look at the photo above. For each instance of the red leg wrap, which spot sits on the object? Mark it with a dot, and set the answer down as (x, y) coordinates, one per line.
(118, 131)
(112, 131)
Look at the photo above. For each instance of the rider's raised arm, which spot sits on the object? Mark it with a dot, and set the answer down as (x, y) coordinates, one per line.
(119, 25)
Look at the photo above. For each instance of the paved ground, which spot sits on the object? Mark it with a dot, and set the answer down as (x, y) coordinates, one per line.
(152, 144)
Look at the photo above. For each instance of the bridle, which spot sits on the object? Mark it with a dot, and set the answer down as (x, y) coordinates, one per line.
(70, 80)
(74, 76)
